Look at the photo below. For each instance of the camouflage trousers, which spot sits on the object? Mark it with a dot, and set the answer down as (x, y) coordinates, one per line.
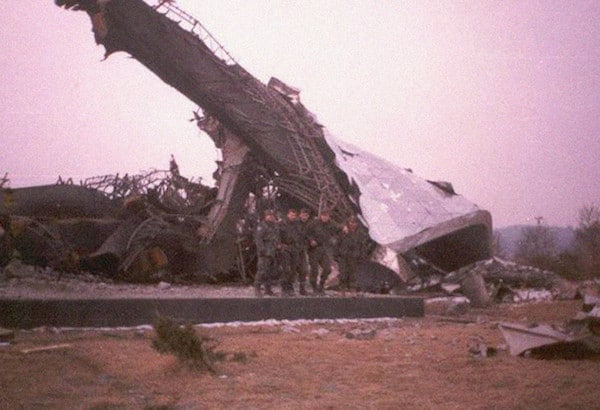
(348, 266)
(319, 258)
(293, 267)
(266, 271)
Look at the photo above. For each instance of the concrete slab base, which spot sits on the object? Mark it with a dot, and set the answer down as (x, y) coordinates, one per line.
(26, 314)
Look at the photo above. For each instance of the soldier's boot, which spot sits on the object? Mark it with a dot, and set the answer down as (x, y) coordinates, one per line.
(287, 289)
(322, 282)
(302, 289)
(269, 291)
(257, 291)
(313, 285)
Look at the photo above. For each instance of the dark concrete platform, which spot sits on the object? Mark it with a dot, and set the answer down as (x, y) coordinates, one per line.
(30, 313)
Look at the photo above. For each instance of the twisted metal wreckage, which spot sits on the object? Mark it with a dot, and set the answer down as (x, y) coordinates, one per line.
(270, 141)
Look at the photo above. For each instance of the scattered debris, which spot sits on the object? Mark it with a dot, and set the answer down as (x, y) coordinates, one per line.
(164, 285)
(473, 287)
(46, 348)
(531, 295)
(521, 338)
(500, 272)
(579, 339)
(6, 335)
(504, 281)
(457, 309)
(477, 347)
(361, 334)
(320, 332)
(450, 288)
(590, 303)
(450, 319)
(290, 329)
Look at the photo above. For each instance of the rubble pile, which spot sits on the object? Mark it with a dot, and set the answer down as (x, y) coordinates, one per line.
(494, 280)
(137, 228)
(507, 281)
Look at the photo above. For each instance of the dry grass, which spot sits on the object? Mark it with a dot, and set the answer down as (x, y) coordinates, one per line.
(410, 363)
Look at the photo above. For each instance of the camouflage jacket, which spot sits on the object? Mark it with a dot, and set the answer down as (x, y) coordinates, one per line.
(351, 244)
(266, 238)
(303, 228)
(291, 234)
(324, 234)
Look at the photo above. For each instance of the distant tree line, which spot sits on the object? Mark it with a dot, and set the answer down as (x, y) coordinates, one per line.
(537, 247)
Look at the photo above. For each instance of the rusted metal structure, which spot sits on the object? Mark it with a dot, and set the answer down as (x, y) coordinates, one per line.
(279, 131)
(268, 138)
(266, 135)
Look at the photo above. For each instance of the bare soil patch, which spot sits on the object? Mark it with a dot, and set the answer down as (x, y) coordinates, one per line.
(406, 363)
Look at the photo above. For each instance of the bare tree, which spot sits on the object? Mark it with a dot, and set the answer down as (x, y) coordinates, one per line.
(587, 237)
(537, 246)
(4, 181)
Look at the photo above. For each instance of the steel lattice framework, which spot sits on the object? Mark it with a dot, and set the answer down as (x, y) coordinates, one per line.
(281, 133)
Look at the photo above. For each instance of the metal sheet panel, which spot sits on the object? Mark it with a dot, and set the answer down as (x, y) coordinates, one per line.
(401, 209)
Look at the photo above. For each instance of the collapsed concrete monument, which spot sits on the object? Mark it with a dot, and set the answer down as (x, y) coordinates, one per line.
(270, 140)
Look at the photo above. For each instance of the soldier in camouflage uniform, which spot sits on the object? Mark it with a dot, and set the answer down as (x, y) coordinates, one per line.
(321, 234)
(267, 242)
(291, 252)
(350, 252)
(303, 224)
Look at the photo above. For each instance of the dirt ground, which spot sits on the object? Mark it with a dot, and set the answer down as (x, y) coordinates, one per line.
(401, 363)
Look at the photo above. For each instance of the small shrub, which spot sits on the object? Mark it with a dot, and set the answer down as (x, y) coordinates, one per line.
(182, 341)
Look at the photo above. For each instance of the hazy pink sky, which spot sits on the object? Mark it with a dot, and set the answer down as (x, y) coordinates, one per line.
(501, 98)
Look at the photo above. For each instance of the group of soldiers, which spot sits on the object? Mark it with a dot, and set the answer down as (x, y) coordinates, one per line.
(298, 245)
